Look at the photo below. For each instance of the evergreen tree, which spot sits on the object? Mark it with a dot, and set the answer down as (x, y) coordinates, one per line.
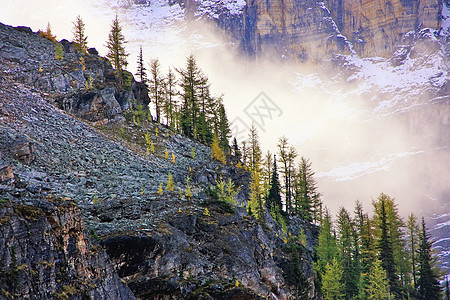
(326, 249)
(332, 286)
(141, 68)
(170, 102)
(223, 126)
(79, 36)
(191, 79)
(236, 151)
(386, 253)
(428, 281)
(413, 232)
(307, 198)
(156, 87)
(347, 250)
(266, 173)
(245, 152)
(273, 202)
(377, 283)
(255, 154)
(287, 156)
(116, 50)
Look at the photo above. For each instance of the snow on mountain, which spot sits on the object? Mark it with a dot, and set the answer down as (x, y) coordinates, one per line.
(213, 8)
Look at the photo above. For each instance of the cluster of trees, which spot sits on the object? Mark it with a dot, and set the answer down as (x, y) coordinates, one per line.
(185, 103)
(295, 194)
(378, 257)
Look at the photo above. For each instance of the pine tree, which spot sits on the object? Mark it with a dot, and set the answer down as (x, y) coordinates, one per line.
(116, 50)
(332, 286)
(377, 287)
(428, 281)
(79, 36)
(156, 85)
(245, 152)
(141, 68)
(273, 202)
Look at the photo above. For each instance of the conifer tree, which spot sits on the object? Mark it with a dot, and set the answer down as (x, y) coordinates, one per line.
(156, 85)
(255, 154)
(273, 202)
(217, 152)
(332, 286)
(413, 232)
(377, 283)
(223, 126)
(307, 198)
(287, 155)
(191, 79)
(386, 253)
(245, 152)
(170, 101)
(428, 281)
(79, 36)
(116, 50)
(236, 151)
(48, 33)
(141, 70)
(347, 250)
(326, 248)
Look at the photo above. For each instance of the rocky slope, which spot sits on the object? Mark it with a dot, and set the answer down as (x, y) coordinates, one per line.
(162, 244)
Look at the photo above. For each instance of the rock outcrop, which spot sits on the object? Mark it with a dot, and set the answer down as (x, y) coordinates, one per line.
(162, 244)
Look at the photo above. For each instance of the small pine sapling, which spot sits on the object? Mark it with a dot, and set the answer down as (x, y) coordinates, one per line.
(59, 52)
(188, 191)
(192, 153)
(160, 189)
(173, 158)
(170, 184)
(206, 213)
(166, 154)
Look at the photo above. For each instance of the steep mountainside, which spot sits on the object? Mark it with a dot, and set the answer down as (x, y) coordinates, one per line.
(162, 244)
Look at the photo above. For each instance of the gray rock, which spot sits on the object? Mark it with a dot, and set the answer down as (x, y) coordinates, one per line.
(16, 54)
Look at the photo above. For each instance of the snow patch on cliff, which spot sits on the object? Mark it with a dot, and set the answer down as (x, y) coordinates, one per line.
(214, 8)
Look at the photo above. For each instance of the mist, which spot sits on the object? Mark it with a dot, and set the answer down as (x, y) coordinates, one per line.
(356, 151)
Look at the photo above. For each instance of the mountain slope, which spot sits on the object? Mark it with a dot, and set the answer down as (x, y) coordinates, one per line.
(162, 244)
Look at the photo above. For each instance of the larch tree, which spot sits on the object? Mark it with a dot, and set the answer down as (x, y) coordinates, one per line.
(156, 87)
(332, 285)
(79, 35)
(191, 78)
(287, 155)
(170, 100)
(306, 198)
(428, 281)
(116, 50)
(347, 246)
(385, 247)
(413, 242)
(377, 287)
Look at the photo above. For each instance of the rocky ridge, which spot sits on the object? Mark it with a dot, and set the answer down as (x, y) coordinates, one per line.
(161, 244)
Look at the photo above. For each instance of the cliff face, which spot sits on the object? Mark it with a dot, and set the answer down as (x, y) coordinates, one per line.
(377, 28)
(313, 30)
